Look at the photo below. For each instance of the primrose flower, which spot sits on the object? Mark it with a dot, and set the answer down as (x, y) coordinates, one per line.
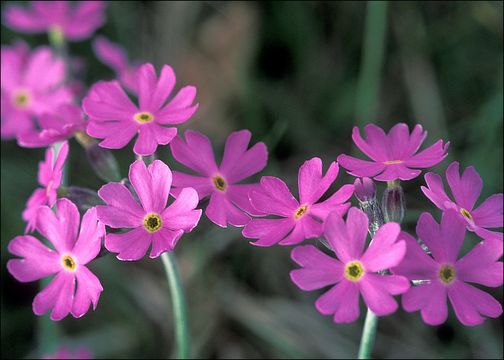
(355, 270)
(393, 154)
(49, 177)
(75, 287)
(228, 200)
(442, 275)
(301, 219)
(114, 118)
(151, 221)
(115, 57)
(73, 22)
(466, 189)
(31, 85)
(55, 127)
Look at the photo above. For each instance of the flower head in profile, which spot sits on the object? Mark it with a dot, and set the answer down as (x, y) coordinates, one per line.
(65, 353)
(394, 154)
(151, 221)
(466, 189)
(229, 200)
(114, 118)
(74, 287)
(295, 220)
(49, 177)
(74, 21)
(31, 85)
(443, 275)
(355, 271)
(115, 57)
(54, 127)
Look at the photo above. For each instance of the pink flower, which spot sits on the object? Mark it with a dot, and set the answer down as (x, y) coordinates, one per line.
(443, 275)
(31, 84)
(74, 288)
(298, 220)
(393, 154)
(466, 190)
(49, 176)
(75, 22)
(355, 270)
(151, 221)
(115, 57)
(55, 127)
(228, 200)
(114, 118)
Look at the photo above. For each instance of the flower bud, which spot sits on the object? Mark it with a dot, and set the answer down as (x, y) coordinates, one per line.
(103, 163)
(82, 197)
(364, 189)
(393, 202)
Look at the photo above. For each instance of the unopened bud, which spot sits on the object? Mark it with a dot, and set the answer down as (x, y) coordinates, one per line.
(393, 202)
(82, 197)
(103, 163)
(364, 189)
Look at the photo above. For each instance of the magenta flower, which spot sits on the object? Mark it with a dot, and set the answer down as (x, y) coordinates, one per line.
(74, 288)
(355, 270)
(393, 154)
(466, 190)
(151, 221)
(229, 201)
(443, 275)
(75, 22)
(49, 177)
(31, 84)
(114, 118)
(54, 127)
(301, 219)
(115, 57)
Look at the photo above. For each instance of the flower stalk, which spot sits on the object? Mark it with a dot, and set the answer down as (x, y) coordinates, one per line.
(178, 305)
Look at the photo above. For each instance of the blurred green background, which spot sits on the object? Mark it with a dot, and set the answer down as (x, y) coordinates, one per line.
(299, 75)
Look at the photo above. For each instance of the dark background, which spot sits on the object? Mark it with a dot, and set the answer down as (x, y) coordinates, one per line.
(296, 75)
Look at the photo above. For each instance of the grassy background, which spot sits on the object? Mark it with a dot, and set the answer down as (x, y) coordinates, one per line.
(299, 75)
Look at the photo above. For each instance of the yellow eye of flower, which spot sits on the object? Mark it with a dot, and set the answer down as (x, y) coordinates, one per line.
(152, 222)
(447, 274)
(68, 263)
(354, 271)
(466, 214)
(219, 183)
(144, 117)
(300, 211)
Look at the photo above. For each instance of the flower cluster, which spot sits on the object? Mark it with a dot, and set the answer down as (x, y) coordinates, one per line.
(155, 206)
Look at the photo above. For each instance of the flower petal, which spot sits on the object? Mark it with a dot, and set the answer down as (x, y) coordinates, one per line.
(397, 171)
(152, 93)
(131, 245)
(58, 296)
(471, 303)
(202, 185)
(360, 168)
(164, 240)
(38, 260)
(489, 213)
(238, 194)
(146, 142)
(69, 219)
(311, 184)
(122, 210)
(88, 244)
(398, 139)
(106, 100)
(385, 250)
(416, 264)
(195, 153)
(342, 300)
(376, 145)
(141, 180)
(377, 292)
(466, 188)
(182, 214)
(319, 270)
(335, 203)
(267, 231)
(221, 211)
(435, 190)
(48, 226)
(274, 198)
(88, 292)
(430, 299)
(431, 156)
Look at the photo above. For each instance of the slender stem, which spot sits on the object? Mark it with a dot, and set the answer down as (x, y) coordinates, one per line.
(368, 335)
(178, 304)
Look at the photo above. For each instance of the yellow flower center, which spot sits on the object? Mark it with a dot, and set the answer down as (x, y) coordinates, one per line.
(152, 222)
(69, 263)
(392, 162)
(21, 99)
(300, 211)
(466, 214)
(447, 274)
(219, 183)
(144, 117)
(354, 271)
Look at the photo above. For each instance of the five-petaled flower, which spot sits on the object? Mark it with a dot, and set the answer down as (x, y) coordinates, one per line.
(32, 84)
(49, 176)
(75, 287)
(151, 221)
(443, 275)
(73, 21)
(114, 118)
(466, 189)
(393, 154)
(355, 270)
(301, 219)
(228, 200)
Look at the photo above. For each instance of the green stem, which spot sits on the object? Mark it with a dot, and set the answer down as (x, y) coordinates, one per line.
(368, 335)
(178, 304)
